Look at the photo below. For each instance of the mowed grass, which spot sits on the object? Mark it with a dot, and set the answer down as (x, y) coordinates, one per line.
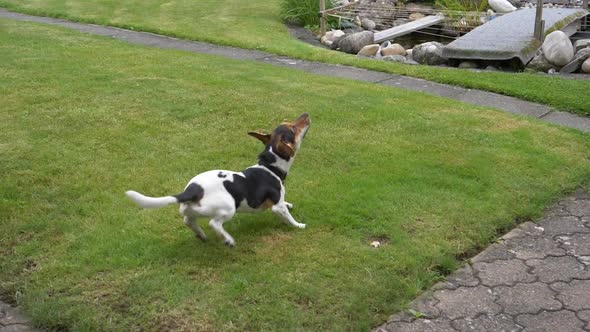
(255, 24)
(84, 118)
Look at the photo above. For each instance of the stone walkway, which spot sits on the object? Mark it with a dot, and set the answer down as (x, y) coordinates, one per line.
(12, 320)
(482, 98)
(535, 278)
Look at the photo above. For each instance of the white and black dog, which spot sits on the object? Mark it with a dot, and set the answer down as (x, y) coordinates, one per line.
(220, 194)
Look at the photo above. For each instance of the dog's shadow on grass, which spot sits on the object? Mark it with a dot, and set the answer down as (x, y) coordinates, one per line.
(247, 230)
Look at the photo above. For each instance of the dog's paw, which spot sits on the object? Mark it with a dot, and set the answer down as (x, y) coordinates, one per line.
(289, 205)
(302, 226)
(230, 243)
(201, 237)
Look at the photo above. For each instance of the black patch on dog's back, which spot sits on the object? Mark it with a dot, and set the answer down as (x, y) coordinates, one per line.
(256, 186)
(222, 175)
(192, 193)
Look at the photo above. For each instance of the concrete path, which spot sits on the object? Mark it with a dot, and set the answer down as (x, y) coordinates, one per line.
(535, 278)
(505, 103)
(12, 320)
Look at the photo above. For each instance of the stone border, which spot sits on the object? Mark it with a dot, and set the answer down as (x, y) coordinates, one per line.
(477, 97)
(12, 320)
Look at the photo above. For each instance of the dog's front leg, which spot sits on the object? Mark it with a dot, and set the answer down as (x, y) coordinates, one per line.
(282, 211)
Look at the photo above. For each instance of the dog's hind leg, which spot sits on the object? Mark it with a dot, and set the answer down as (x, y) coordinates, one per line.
(289, 205)
(282, 211)
(191, 222)
(217, 225)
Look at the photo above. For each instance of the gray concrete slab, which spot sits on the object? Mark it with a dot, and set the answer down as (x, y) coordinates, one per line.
(569, 120)
(416, 84)
(509, 36)
(506, 103)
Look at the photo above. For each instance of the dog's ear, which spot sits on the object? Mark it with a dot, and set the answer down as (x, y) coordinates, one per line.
(264, 138)
(285, 149)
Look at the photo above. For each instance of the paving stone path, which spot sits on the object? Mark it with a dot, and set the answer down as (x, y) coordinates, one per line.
(482, 98)
(12, 320)
(535, 278)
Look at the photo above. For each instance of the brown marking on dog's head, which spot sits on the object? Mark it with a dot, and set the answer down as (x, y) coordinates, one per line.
(287, 137)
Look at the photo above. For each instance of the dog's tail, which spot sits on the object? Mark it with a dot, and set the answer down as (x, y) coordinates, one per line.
(192, 193)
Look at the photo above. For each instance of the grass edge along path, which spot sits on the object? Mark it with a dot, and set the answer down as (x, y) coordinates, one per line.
(84, 118)
(562, 94)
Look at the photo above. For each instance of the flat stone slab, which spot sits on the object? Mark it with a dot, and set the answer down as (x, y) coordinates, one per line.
(509, 36)
(407, 28)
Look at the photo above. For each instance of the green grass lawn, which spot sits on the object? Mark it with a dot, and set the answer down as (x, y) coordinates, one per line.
(255, 24)
(84, 118)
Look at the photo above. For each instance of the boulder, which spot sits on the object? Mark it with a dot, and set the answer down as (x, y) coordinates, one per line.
(395, 58)
(429, 53)
(581, 43)
(355, 42)
(468, 65)
(369, 50)
(501, 6)
(393, 49)
(579, 58)
(586, 66)
(558, 48)
(331, 36)
(540, 63)
(367, 24)
(416, 16)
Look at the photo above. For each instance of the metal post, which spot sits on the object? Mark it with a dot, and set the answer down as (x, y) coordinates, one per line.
(539, 22)
(585, 4)
(323, 17)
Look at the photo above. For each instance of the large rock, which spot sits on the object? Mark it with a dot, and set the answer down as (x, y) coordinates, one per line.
(369, 50)
(395, 58)
(393, 49)
(501, 6)
(368, 24)
(581, 43)
(355, 42)
(579, 58)
(331, 36)
(540, 63)
(586, 66)
(558, 48)
(429, 53)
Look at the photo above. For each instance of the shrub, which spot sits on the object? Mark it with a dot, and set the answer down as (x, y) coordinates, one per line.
(302, 12)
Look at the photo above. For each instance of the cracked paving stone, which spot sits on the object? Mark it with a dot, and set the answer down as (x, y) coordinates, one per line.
(12, 316)
(487, 323)
(496, 251)
(574, 295)
(419, 325)
(552, 269)
(525, 229)
(577, 244)
(534, 247)
(17, 328)
(506, 273)
(563, 226)
(462, 277)
(526, 298)
(466, 302)
(580, 208)
(545, 321)
(585, 316)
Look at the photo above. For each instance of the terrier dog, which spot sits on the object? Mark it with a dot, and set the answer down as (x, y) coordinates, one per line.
(219, 194)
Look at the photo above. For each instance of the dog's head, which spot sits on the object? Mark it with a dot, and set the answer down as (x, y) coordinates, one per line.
(286, 139)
